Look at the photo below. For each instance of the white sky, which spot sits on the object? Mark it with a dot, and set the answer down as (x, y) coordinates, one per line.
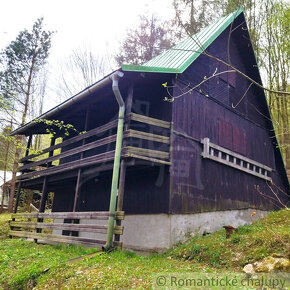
(100, 24)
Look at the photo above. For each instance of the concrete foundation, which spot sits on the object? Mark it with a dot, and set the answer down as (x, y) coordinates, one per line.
(159, 232)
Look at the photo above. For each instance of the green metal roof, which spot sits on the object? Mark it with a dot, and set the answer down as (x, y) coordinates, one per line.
(178, 58)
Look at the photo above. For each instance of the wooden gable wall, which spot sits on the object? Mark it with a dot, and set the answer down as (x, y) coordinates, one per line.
(199, 184)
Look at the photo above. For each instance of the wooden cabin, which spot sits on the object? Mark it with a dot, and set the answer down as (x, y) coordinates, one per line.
(198, 149)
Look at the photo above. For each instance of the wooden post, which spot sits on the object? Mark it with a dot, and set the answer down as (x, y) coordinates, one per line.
(52, 143)
(17, 197)
(77, 190)
(28, 145)
(42, 203)
(43, 196)
(123, 166)
(80, 171)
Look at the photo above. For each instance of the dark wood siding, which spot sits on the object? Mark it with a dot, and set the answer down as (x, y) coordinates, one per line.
(204, 185)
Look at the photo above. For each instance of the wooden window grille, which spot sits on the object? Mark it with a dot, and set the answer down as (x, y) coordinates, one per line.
(230, 158)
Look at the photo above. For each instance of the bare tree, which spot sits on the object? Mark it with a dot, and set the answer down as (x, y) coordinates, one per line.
(81, 69)
(144, 42)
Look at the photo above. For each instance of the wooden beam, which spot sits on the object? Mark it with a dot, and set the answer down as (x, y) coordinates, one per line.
(147, 152)
(41, 237)
(91, 228)
(146, 136)
(28, 145)
(17, 197)
(121, 195)
(153, 160)
(149, 120)
(52, 143)
(121, 185)
(98, 215)
(129, 102)
(43, 196)
(77, 190)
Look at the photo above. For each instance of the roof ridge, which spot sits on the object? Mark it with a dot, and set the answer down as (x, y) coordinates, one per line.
(179, 57)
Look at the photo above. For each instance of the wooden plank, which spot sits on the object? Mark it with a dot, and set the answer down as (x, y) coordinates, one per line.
(70, 215)
(147, 152)
(153, 160)
(77, 138)
(59, 238)
(91, 228)
(64, 215)
(149, 120)
(146, 136)
(92, 160)
(73, 151)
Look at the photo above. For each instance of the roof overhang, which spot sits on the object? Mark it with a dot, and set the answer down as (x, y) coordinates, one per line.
(69, 102)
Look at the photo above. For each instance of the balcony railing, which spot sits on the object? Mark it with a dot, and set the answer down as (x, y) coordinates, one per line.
(150, 146)
(52, 228)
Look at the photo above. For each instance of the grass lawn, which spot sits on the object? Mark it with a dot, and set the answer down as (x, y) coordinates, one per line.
(24, 265)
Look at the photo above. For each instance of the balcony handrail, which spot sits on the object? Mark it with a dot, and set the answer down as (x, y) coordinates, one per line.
(149, 120)
(86, 147)
(92, 160)
(43, 167)
(75, 139)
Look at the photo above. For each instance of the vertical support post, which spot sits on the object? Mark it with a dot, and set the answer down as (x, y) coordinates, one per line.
(17, 197)
(28, 145)
(43, 196)
(80, 171)
(52, 143)
(129, 103)
(42, 203)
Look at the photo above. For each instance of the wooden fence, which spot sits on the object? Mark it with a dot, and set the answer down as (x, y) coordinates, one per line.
(41, 227)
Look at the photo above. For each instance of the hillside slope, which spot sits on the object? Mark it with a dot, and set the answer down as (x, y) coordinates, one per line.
(25, 265)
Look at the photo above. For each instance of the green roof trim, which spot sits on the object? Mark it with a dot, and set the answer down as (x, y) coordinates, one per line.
(142, 68)
(178, 58)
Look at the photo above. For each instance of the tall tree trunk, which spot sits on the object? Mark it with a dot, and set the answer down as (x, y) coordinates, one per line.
(19, 140)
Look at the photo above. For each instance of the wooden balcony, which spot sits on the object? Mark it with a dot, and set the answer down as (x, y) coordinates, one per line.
(97, 146)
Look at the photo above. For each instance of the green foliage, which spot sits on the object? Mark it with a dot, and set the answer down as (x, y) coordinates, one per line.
(20, 62)
(7, 149)
(56, 127)
(4, 225)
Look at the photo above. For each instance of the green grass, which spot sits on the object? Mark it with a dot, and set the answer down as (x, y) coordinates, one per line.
(4, 226)
(24, 265)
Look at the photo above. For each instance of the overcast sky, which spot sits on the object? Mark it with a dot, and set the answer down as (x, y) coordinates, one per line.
(99, 24)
